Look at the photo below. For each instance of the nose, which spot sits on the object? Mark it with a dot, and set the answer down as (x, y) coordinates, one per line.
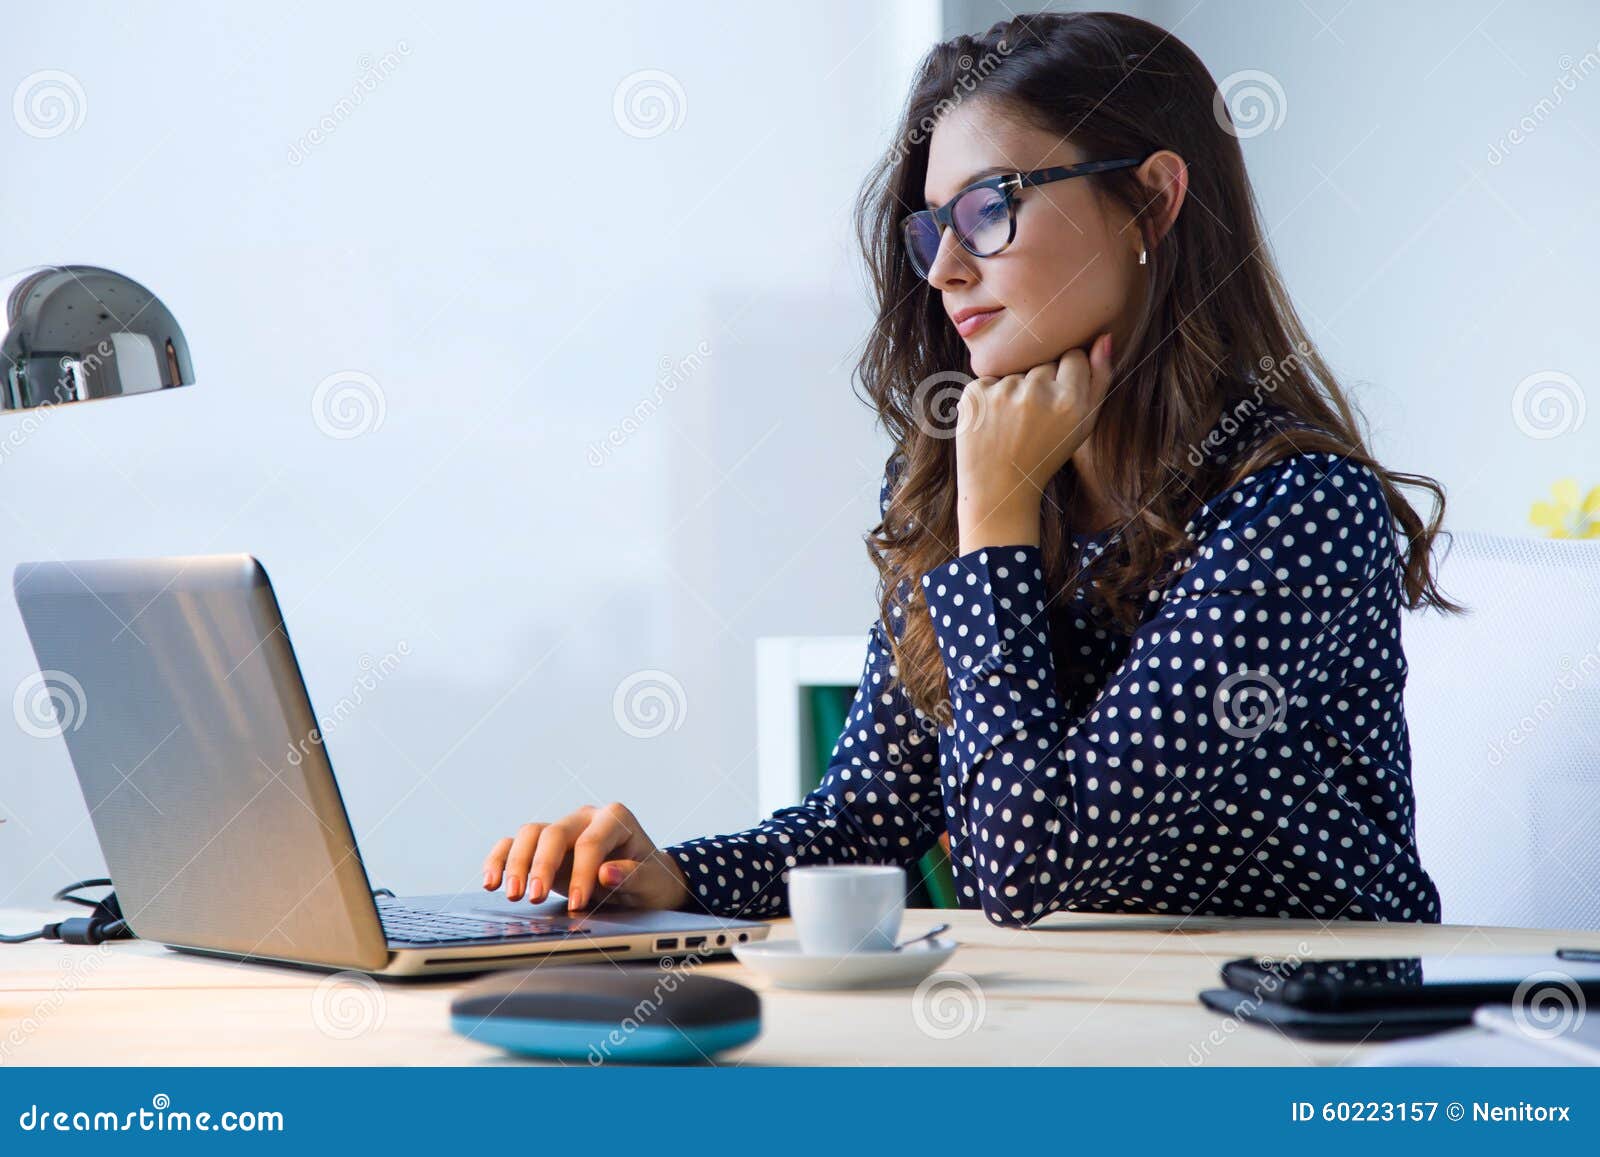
(952, 265)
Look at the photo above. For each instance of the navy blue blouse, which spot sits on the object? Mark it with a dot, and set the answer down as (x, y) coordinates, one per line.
(1243, 752)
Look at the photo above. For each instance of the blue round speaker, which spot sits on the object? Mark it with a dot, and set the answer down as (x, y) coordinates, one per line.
(599, 1014)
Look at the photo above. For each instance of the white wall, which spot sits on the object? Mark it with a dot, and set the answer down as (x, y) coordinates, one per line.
(1437, 267)
(513, 270)
(480, 235)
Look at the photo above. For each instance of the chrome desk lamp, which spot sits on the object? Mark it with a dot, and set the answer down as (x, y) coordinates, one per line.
(74, 333)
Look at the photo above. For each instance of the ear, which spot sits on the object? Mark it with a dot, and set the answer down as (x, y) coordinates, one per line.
(1165, 174)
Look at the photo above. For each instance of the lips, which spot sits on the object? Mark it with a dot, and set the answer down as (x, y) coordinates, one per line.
(969, 321)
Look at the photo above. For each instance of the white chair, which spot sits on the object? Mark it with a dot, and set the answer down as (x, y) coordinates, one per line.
(1503, 706)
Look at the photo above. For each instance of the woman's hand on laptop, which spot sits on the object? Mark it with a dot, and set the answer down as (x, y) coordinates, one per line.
(594, 855)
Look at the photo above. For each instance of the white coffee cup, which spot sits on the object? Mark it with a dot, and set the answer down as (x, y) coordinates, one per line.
(843, 908)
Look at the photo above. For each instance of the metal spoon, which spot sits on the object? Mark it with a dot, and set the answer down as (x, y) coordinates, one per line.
(928, 935)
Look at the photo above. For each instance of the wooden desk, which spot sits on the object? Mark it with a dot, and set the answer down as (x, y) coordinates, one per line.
(1077, 989)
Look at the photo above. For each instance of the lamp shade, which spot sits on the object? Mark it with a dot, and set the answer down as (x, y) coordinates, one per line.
(74, 333)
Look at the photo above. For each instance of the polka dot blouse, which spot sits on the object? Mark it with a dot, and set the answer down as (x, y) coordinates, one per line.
(1243, 752)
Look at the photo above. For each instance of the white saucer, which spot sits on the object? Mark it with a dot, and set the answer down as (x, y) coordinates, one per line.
(783, 963)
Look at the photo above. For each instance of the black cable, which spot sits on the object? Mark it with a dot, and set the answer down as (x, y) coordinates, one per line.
(106, 922)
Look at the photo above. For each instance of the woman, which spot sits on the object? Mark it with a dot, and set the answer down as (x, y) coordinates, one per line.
(1138, 638)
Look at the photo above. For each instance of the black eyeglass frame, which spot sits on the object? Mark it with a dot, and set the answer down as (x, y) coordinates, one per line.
(1009, 184)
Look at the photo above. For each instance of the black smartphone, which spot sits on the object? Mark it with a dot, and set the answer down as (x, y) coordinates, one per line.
(1393, 981)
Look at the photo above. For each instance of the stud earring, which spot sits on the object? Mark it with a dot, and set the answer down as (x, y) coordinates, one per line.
(1143, 256)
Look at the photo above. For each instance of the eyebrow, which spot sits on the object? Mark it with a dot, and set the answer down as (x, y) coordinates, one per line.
(978, 176)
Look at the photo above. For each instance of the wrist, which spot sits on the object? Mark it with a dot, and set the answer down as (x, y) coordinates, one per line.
(1012, 523)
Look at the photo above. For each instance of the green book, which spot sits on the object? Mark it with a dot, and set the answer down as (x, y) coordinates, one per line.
(827, 709)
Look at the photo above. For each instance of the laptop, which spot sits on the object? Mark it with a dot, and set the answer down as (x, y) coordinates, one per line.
(208, 783)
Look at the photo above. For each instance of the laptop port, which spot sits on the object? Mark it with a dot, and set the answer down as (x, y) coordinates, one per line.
(662, 945)
(694, 941)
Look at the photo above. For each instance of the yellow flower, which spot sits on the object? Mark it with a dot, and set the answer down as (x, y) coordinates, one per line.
(1567, 517)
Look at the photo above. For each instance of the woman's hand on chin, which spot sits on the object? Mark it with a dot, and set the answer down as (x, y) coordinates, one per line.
(1013, 433)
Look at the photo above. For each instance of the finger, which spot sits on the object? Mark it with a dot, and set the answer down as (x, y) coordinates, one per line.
(494, 865)
(1072, 368)
(598, 840)
(618, 879)
(1041, 374)
(520, 857)
(1100, 363)
(554, 843)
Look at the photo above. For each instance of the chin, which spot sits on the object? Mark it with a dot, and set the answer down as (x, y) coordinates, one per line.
(998, 363)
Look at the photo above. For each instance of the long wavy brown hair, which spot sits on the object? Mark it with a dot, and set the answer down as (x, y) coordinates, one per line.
(1218, 336)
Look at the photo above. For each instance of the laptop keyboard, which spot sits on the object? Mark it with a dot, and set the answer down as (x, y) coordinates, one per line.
(427, 926)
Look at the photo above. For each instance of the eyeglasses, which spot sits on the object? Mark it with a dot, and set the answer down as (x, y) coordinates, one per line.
(984, 214)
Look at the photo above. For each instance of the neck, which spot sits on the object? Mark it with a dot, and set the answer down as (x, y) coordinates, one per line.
(1092, 508)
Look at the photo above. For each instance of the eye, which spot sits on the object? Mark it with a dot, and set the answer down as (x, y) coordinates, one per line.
(994, 210)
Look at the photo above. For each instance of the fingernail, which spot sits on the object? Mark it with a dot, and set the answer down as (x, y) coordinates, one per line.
(576, 899)
(610, 874)
(513, 886)
(535, 888)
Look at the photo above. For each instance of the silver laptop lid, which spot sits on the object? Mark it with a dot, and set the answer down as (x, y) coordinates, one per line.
(196, 748)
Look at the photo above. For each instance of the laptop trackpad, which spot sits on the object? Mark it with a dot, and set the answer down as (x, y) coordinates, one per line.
(618, 922)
